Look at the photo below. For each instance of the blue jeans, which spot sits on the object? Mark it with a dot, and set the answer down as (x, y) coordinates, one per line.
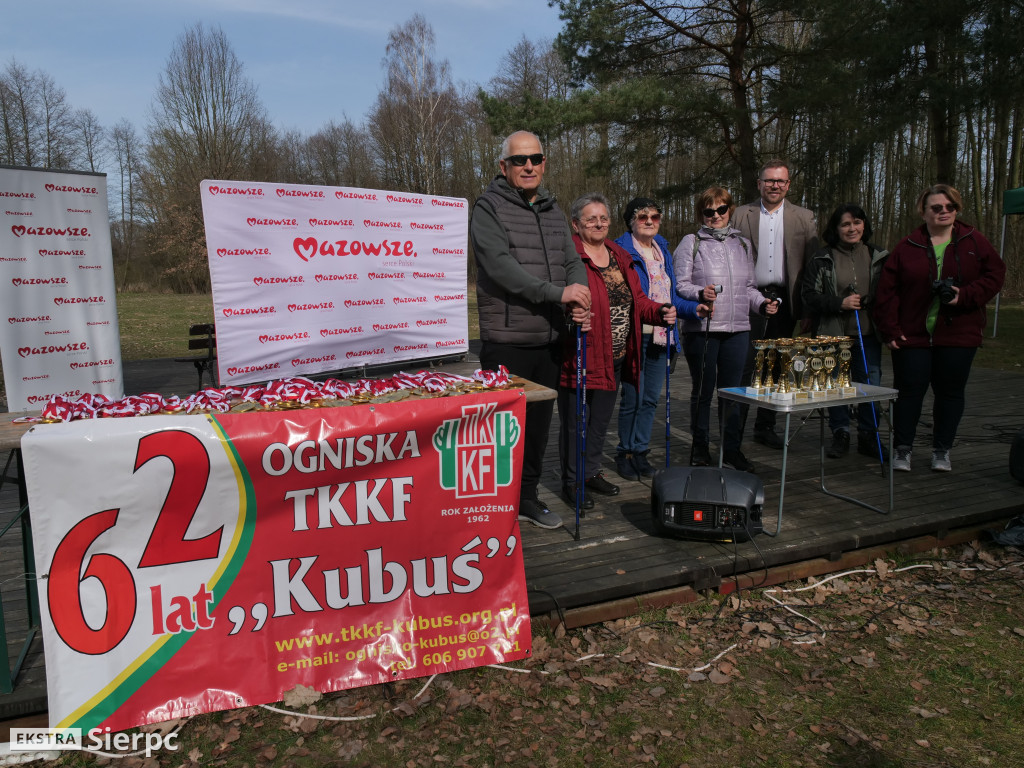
(637, 405)
(722, 367)
(867, 416)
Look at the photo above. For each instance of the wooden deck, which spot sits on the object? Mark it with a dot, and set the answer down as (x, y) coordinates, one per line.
(619, 563)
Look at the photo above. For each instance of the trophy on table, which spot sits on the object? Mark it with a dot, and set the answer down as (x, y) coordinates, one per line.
(816, 363)
(756, 384)
(830, 362)
(784, 389)
(798, 362)
(769, 366)
(846, 387)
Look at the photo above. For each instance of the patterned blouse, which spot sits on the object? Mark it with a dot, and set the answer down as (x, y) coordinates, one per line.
(620, 302)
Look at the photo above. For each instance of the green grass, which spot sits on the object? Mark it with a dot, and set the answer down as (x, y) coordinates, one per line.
(155, 325)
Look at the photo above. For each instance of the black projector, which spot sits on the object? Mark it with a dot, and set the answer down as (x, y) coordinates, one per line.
(707, 503)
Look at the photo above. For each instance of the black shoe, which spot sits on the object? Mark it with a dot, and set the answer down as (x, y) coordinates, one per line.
(569, 494)
(737, 460)
(625, 467)
(840, 444)
(767, 436)
(643, 466)
(534, 511)
(867, 445)
(700, 456)
(598, 484)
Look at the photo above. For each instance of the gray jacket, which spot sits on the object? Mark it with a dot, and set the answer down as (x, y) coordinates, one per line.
(525, 258)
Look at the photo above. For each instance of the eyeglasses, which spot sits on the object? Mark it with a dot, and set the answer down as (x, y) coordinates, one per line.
(775, 182)
(654, 218)
(720, 210)
(939, 208)
(596, 221)
(520, 160)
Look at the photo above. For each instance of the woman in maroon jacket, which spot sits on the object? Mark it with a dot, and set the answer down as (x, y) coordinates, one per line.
(930, 310)
(619, 308)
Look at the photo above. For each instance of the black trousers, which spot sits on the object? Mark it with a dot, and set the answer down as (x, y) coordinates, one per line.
(541, 365)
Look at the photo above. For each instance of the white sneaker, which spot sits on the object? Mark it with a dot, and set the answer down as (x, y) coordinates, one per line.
(940, 461)
(901, 463)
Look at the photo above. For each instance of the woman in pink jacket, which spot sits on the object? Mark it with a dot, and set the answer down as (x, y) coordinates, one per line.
(717, 255)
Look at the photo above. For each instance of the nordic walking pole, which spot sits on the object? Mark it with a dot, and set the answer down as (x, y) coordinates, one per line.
(668, 398)
(581, 421)
(867, 375)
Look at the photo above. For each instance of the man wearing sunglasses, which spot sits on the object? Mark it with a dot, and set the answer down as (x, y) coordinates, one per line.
(527, 274)
(784, 237)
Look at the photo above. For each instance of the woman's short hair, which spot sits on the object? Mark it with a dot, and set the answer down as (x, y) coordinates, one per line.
(583, 201)
(709, 197)
(638, 204)
(940, 189)
(831, 233)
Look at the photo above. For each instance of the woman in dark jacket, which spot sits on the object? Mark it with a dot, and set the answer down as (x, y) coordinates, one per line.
(618, 309)
(652, 259)
(838, 287)
(930, 310)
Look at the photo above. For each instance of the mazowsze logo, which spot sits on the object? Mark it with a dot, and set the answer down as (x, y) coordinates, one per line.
(70, 394)
(77, 190)
(357, 353)
(270, 338)
(310, 307)
(429, 227)
(78, 210)
(435, 321)
(61, 301)
(222, 252)
(47, 252)
(52, 349)
(343, 194)
(19, 281)
(216, 189)
(409, 300)
(409, 347)
(331, 223)
(449, 251)
(278, 280)
(313, 360)
(18, 213)
(450, 343)
(37, 319)
(24, 195)
(244, 311)
(244, 369)
(386, 275)
(475, 452)
(448, 203)
(252, 221)
(449, 297)
(91, 364)
(378, 224)
(325, 332)
(352, 303)
(331, 278)
(316, 194)
(390, 326)
(406, 200)
(308, 247)
(428, 275)
(20, 230)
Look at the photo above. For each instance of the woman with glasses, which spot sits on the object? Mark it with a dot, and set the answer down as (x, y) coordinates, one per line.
(930, 311)
(717, 257)
(618, 309)
(839, 285)
(652, 260)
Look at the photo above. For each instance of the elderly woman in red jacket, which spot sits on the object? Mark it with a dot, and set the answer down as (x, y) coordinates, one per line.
(619, 309)
(930, 310)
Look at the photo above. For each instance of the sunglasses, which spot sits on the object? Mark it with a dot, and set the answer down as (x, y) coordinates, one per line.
(720, 210)
(654, 218)
(520, 160)
(939, 208)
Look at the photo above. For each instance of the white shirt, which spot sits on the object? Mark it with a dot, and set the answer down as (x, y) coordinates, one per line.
(770, 268)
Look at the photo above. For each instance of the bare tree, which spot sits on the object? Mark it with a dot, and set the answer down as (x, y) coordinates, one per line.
(126, 148)
(411, 125)
(89, 138)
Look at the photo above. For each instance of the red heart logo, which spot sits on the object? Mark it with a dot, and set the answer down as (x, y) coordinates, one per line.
(227, 312)
(280, 192)
(251, 221)
(222, 252)
(324, 332)
(291, 307)
(258, 280)
(42, 252)
(18, 230)
(24, 351)
(49, 187)
(340, 195)
(302, 245)
(296, 363)
(263, 339)
(312, 222)
(214, 189)
(232, 371)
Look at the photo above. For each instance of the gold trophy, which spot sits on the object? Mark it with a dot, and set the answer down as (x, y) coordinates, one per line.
(846, 388)
(830, 362)
(817, 365)
(756, 387)
(798, 363)
(769, 367)
(784, 389)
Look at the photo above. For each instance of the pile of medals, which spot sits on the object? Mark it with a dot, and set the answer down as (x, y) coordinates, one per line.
(282, 394)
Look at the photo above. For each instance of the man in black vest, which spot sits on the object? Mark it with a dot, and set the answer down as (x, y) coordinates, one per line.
(527, 273)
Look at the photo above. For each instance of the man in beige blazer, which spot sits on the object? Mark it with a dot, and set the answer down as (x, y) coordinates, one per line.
(784, 237)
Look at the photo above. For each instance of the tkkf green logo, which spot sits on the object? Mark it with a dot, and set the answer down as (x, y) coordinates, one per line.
(475, 451)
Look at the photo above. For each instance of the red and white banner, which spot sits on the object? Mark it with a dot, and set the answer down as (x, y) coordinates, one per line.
(58, 325)
(309, 279)
(189, 564)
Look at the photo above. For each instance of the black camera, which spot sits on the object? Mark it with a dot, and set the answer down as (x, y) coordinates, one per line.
(944, 290)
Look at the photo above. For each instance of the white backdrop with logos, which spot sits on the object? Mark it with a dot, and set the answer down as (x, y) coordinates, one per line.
(308, 279)
(58, 331)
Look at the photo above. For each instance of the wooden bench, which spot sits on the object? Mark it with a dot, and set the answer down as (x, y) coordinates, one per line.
(202, 336)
